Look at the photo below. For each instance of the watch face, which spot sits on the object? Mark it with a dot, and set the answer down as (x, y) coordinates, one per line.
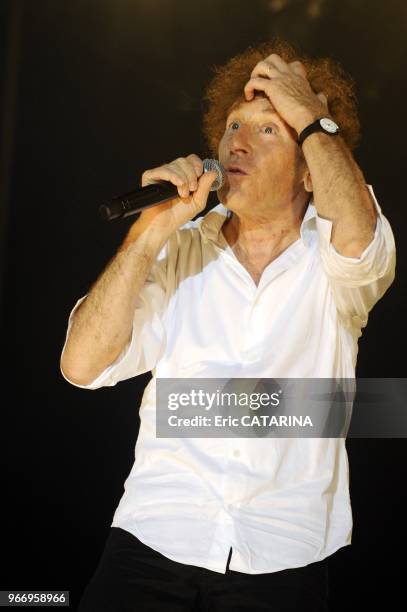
(328, 125)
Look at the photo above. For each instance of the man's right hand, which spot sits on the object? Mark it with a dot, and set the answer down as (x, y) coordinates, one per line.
(187, 174)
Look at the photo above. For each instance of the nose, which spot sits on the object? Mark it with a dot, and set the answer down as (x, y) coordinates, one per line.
(240, 141)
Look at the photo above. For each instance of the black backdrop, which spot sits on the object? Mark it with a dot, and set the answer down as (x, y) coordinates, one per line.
(103, 90)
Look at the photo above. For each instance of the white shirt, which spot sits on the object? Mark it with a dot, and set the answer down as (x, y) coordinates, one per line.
(279, 503)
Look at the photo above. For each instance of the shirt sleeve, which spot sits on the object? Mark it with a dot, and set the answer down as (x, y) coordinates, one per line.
(358, 283)
(147, 342)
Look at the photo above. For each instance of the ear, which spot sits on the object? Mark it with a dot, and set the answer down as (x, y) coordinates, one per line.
(308, 181)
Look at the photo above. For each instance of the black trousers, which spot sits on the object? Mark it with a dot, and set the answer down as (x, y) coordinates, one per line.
(133, 577)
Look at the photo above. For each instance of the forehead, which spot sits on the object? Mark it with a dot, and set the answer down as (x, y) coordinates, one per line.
(259, 104)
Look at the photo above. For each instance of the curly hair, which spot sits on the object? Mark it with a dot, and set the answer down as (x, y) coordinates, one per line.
(324, 74)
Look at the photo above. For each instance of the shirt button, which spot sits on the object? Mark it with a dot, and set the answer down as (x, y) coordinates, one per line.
(236, 453)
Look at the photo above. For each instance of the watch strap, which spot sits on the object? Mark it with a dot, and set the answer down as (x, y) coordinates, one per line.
(314, 127)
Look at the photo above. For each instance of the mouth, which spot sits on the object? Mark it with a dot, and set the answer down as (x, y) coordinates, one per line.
(235, 170)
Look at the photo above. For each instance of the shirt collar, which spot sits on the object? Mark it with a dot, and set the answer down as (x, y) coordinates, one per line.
(211, 224)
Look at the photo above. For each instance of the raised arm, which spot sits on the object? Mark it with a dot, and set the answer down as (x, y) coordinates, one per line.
(339, 190)
(340, 193)
(102, 325)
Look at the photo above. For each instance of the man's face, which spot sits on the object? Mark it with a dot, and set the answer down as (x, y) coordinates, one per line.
(259, 143)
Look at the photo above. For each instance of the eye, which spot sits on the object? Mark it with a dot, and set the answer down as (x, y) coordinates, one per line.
(268, 129)
(234, 125)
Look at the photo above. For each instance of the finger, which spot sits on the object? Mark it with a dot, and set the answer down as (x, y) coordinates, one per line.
(161, 173)
(265, 69)
(277, 62)
(256, 84)
(323, 98)
(298, 68)
(188, 170)
(204, 186)
(197, 163)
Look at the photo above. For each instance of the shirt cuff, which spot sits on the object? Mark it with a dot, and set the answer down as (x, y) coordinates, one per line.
(371, 264)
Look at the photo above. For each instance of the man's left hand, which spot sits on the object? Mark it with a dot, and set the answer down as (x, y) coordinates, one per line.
(289, 91)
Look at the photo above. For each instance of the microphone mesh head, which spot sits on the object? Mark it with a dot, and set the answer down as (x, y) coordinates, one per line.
(214, 164)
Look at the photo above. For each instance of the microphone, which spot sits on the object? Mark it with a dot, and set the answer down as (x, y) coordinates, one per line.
(136, 201)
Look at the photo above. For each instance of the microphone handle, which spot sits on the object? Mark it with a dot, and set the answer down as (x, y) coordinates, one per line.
(137, 200)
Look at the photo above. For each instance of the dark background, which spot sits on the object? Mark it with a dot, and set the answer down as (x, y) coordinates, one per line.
(93, 93)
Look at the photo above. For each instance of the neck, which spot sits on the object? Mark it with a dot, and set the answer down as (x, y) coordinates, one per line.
(260, 239)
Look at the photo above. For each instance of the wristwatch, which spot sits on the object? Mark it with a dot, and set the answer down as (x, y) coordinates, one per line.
(320, 125)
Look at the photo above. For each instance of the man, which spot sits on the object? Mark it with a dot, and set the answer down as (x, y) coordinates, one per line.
(275, 281)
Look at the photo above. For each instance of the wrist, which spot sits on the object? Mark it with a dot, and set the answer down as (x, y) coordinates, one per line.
(306, 119)
(143, 232)
(324, 125)
(308, 116)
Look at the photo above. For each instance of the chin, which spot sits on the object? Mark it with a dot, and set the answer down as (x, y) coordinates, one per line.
(234, 200)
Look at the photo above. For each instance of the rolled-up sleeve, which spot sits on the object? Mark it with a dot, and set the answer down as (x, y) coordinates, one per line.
(147, 341)
(358, 283)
